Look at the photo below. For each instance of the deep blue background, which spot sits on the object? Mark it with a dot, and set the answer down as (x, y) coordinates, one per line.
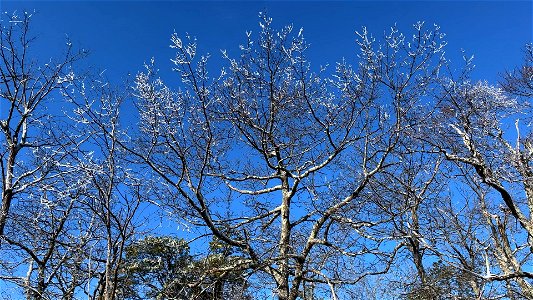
(122, 35)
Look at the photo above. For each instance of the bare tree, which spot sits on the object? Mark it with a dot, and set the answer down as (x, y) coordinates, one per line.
(313, 181)
(276, 160)
(69, 201)
(46, 238)
(36, 164)
(25, 87)
(485, 132)
(112, 197)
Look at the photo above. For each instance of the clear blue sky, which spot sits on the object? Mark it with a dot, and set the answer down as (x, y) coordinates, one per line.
(122, 35)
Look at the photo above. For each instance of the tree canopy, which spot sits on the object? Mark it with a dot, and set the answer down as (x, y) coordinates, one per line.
(395, 176)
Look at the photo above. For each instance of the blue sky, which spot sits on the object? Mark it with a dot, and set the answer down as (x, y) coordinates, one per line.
(122, 35)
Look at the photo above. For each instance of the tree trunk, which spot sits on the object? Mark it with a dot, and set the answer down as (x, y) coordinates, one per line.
(7, 192)
(284, 242)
